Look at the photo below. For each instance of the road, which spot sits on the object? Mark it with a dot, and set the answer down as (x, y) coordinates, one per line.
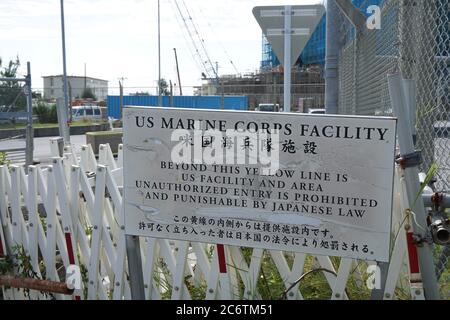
(42, 152)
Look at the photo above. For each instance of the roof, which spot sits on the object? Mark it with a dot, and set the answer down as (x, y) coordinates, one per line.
(79, 77)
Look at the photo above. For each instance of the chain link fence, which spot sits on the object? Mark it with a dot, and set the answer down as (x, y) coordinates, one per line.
(415, 39)
(16, 113)
(13, 120)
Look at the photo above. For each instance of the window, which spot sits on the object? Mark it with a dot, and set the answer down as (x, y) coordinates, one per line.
(89, 111)
(78, 112)
(97, 112)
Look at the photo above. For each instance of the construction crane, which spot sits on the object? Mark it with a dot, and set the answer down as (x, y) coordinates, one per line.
(201, 54)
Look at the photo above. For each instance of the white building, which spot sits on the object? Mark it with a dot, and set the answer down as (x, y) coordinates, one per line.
(53, 87)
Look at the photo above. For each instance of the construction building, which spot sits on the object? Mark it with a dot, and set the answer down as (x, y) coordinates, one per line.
(266, 85)
(308, 87)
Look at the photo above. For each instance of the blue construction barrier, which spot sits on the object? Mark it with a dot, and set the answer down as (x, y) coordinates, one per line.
(193, 102)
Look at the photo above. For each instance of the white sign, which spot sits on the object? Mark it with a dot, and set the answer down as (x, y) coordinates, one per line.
(304, 20)
(295, 182)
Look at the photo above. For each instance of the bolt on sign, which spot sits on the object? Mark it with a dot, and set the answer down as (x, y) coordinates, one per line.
(317, 184)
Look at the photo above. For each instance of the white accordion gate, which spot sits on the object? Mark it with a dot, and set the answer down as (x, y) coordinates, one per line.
(71, 212)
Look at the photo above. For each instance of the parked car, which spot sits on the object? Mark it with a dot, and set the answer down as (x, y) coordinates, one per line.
(88, 112)
(316, 111)
(268, 107)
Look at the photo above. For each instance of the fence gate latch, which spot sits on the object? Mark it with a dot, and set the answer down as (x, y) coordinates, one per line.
(409, 160)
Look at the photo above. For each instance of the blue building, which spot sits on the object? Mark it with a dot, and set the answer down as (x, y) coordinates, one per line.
(314, 52)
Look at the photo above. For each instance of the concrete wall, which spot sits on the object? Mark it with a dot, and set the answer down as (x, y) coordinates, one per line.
(95, 139)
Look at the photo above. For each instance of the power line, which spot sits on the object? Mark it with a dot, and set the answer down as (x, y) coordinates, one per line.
(218, 40)
(201, 40)
(189, 44)
(191, 37)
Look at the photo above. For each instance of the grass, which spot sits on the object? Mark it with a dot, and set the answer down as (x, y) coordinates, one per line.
(7, 126)
(313, 286)
(270, 284)
(444, 280)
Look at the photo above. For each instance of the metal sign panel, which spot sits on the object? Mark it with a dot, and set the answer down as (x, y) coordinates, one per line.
(304, 21)
(295, 182)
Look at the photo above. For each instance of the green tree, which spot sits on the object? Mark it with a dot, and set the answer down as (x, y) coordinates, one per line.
(46, 113)
(11, 92)
(88, 94)
(164, 87)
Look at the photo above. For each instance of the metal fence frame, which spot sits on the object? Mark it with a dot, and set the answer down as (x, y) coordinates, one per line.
(414, 39)
(29, 143)
(83, 225)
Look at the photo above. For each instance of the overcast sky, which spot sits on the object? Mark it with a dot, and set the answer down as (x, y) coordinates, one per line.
(118, 38)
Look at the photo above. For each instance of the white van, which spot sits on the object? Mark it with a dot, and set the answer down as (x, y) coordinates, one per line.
(88, 112)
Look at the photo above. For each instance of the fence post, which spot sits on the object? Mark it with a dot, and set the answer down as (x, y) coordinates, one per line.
(121, 99)
(411, 173)
(378, 293)
(65, 84)
(171, 95)
(61, 111)
(409, 87)
(29, 134)
(287, 58)
(222, 97)
(331, 63)
(135, 268)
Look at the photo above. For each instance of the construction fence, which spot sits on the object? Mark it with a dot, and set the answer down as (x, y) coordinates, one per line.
(71, 212)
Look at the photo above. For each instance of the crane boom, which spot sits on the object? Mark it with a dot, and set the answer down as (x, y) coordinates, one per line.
(209, 71)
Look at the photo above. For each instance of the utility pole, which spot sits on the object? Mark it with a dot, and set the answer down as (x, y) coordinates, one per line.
(178, 71)
(70, 104)
(274, 89)
(85, 77)
(171, 95)
(65, 86)
(331, 61)
(121, 96)
(222, 98)
(160, 104)
(122, 81)
(29, 131)
(287, 58)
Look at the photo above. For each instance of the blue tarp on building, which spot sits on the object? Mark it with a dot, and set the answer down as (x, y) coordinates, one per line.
(314, 51)
(193, 102)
